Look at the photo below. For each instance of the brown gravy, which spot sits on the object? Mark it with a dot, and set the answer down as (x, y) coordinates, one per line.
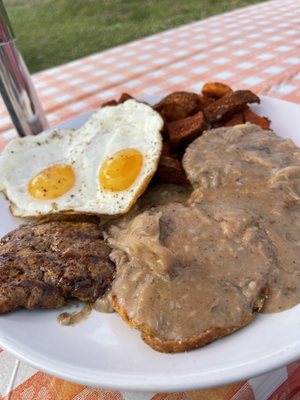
(187, 268)
(73, 318)
(258, 171)
(104, 303)
(170, 271)
(204, 260)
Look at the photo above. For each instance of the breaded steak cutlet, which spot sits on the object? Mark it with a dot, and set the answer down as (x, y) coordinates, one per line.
(187, 275)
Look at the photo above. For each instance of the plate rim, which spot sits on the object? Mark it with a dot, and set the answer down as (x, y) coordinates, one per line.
(162, 387)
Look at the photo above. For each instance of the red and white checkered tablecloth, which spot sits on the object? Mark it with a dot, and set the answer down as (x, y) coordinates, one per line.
(257, 47)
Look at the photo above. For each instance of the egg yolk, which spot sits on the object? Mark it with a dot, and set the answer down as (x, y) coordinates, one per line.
(52, 182)
(120, 170)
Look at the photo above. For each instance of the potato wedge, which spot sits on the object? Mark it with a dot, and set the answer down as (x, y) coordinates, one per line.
(178, 105)
(216, 90)
(250, 116)
(229, 104)
(184, 131)
(170, 170)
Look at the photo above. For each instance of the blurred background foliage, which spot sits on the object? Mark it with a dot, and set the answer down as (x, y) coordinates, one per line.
(53, 32)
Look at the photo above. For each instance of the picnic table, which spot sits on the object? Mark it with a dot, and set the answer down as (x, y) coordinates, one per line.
(256, 48)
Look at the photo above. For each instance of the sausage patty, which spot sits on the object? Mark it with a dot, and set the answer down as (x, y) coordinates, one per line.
(46, 263)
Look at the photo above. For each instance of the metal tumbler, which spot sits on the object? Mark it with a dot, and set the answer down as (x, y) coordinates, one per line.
(16, 86)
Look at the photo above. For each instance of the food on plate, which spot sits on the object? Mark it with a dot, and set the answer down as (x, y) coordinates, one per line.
(188, 273)
(178, 105)
(180, 288)
(215, 90)
(258, 171)
(239, 154)
(170, 170)
(124, 97)
(158, 195)
(237, 119)
(101, 168)
(250, 116)
(278, 215)
(44, 264)
(183, 131)
(229, 104)
(187, 115)
(245, 155)
(212, 241)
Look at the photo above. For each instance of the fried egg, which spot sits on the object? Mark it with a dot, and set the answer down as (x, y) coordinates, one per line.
(101, 168)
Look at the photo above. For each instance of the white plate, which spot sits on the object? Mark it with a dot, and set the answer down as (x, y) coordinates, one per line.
(103, 351)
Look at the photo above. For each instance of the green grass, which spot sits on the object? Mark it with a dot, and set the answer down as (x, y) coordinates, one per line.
(52, 32)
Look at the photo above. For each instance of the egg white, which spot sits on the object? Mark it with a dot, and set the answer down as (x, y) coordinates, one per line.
(110, 129)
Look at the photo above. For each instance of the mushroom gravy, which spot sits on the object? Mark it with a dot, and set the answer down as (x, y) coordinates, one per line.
(258, 171)
(183, 269)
